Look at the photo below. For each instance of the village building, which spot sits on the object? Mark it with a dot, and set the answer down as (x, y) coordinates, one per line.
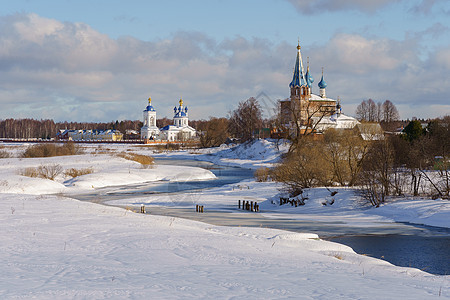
(309, 111)
(89, 135)
(149, 131)
(336, 121)
(180, 130)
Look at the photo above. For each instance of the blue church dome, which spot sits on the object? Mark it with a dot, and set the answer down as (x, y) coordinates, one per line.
(322, 84)
(309, 78)
(149, 108)
(179, 114)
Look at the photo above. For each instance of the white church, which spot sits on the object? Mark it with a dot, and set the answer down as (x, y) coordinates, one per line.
(179, 131)
(150, 131)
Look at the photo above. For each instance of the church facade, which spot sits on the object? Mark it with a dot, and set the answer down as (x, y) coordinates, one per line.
(150, 131)
(303, 109)
(179, 131)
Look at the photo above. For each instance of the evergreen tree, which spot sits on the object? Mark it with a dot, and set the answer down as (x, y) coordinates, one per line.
(413, 130)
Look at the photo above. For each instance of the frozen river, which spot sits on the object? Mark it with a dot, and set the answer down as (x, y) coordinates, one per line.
(409, 245)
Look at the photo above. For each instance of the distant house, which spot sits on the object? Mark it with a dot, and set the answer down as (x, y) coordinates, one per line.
(62, 134)
(108, 135)
(131, 132)
(336, 121)
(339, 121)
(89, 135)
(370, 131)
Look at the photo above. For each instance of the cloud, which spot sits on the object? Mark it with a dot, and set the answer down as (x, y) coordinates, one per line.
(61, 64)
(425, 7)
(320, 6)
(358, 68)
(422, 7)
(125, 18)
(360, 55)
(69, 71)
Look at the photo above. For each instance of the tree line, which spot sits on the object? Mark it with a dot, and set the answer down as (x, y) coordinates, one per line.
(212, 132)
(416, 162)
(370, 111)
(47, 129)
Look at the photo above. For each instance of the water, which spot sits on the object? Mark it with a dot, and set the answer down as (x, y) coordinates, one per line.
(409, 245)
(428, 253)
(225, 175)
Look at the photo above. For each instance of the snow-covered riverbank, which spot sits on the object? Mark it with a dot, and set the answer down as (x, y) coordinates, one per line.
(107, 170)
(55, 247)
(59, 248)
(347, 206)
(110, 170)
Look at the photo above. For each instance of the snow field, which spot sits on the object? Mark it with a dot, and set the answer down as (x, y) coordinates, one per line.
(58, 248)
(108, 170)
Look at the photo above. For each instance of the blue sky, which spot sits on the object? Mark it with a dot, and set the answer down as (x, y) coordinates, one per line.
(100, 60)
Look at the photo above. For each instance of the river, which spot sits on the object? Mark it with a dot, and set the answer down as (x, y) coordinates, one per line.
(402, 244)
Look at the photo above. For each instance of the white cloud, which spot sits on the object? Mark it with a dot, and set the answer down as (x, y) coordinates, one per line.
(53, 63)
(358, 68)
(69, 71)
(320, 6)
(417, 7)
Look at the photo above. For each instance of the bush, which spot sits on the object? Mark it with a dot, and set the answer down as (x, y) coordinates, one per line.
(49, 150)
(167, 146)
(72, 172)
(171, 146)
(29, 172)
(43, 171)
(262, 174)
(304, 168)
(144, 160)
(375, 177)
(214, 132)
(4, 154)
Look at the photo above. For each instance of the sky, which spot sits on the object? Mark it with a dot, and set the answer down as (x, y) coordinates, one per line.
(99, 61)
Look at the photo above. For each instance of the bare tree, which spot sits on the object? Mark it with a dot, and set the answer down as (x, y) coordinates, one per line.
(368, 110)
(305, 167)
(214, 132)
(246, 119)
(436, 146)
(375, 177)
(390, 112)
(305, 124)
(362, 111)
(372, 112)
(345, 150)
(379, 117)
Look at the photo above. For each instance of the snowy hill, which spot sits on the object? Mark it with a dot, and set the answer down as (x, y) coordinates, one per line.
(54, 247)
(251, 155)
(57, 248)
